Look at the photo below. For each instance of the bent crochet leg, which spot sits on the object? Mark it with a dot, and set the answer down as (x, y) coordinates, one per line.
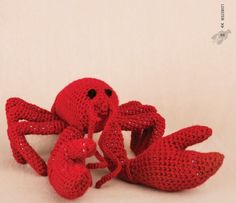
(20, 145)
(145, 124)
(17, 109)
(24, 118)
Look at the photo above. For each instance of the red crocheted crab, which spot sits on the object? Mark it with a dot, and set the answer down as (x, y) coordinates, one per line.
(89, 105)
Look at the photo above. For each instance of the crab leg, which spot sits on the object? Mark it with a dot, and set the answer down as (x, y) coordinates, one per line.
(22, 151)
(135, 107)
(35, 121)
(18, 109)
(145, 124)
(134, 117)
(112, 145)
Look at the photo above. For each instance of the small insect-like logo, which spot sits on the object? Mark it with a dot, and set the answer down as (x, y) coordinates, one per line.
(220, 36)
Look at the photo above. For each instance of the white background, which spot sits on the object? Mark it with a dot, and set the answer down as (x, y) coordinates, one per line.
(158, 52)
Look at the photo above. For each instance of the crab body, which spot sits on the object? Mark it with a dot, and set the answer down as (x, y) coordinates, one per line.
(89, 105)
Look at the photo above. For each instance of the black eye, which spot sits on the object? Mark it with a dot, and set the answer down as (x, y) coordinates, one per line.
(91, 93)
(108, 92)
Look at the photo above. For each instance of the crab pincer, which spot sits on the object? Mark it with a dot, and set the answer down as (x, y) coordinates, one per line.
(67, 171)
(166, 165)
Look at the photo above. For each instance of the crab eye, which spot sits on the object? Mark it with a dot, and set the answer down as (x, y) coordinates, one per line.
(91, 93)
(108, 92)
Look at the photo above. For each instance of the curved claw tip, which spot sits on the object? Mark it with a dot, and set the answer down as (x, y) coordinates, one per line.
(212, 162)
(203, 167)
(209, 131)
(219, 158)
(98, 185)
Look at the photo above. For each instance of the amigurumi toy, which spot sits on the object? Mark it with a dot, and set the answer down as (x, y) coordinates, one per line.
(90, 105)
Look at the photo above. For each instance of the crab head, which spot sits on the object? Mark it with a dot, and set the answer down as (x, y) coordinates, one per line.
(86, 104)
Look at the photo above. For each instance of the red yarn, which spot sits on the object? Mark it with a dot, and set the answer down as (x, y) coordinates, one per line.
(89, 105)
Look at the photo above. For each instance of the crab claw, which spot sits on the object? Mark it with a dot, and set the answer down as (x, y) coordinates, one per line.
(66, 168)
(166, 165)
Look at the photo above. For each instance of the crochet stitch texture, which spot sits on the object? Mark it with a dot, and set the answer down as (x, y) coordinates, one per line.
(90, 105)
